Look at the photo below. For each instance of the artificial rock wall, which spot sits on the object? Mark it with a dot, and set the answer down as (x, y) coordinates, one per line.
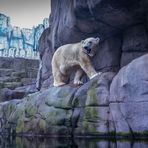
(121, 25)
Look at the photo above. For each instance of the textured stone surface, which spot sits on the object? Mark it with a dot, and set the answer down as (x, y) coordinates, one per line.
(60, 110)
(135, 39)
(110, 104)
(127, 57)
(128, 97)
(121, 25)
(92, 105)
(17, 77)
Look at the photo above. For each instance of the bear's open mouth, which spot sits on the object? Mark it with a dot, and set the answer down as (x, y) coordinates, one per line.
(88, 53)
(87, 49)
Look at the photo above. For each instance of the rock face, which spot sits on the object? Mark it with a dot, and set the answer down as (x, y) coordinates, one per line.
(121, 25)
(109, 104)
(17, 77)
(128, 97)
(17, 42)
(60, 110)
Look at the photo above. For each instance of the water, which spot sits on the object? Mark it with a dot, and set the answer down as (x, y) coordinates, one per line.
(19, 142)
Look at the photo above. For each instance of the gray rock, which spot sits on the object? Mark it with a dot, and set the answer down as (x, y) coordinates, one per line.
(109, 49)
(95, 121)
(54, 110)
(5, 72)
(99, 96)
(136, 115)
(106, 105)
(17, 77)
(9, 79)
(18, 93)
(92, 106)
(130, 85)
(27, 89)
(20, 74)
(135, 38)
(60, 97)
(128, 57)
(28, 81)
(128, 97)
(121, 126)
(121, 25)
(12, 85)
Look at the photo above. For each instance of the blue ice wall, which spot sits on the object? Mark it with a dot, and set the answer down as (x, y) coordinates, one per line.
(18, 42)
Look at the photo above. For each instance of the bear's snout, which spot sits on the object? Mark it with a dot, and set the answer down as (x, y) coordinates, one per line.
(87, 49)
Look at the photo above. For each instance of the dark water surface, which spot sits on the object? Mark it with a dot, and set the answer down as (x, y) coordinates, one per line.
(19, 142)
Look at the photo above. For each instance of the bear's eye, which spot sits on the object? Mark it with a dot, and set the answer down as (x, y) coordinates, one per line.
(90, 42)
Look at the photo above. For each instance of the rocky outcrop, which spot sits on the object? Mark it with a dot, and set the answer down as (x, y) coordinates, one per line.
(59, 110)
(17, 42)
(108, 105)
(128, 97)
(121, 25)
(17, 78)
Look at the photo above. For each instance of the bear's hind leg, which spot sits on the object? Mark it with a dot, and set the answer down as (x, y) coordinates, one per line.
(77, 78)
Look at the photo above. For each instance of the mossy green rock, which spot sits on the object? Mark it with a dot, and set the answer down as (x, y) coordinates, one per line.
(37, 114)
(95, 120)
(61, 98)
(68, 110)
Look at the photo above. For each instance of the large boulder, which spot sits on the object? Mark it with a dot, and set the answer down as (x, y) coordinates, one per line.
(109, 105)
(129, 97)
(60, 111)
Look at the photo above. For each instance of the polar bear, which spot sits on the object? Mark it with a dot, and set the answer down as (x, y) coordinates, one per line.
(75, 57)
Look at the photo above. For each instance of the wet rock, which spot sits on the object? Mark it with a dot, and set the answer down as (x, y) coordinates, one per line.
(61, 98)
(108, 105)
(54, 110)
(92, 108)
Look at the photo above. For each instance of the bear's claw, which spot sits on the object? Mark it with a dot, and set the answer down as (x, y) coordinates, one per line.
(78, 82)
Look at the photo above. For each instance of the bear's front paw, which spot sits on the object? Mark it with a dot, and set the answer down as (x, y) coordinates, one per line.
(59, 84)
(78, 82)
(99, 73)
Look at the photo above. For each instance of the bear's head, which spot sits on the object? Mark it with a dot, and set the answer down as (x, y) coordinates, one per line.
(90, 45)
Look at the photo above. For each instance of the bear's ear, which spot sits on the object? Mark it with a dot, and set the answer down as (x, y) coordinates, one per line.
(97, 39)
(82, 41)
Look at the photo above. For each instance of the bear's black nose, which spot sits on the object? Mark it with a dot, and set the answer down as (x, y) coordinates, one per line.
(86, 47)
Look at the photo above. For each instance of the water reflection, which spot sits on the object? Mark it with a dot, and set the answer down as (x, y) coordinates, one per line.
(19, 142)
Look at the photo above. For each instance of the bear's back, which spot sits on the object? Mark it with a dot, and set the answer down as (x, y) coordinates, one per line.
(68, 49)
